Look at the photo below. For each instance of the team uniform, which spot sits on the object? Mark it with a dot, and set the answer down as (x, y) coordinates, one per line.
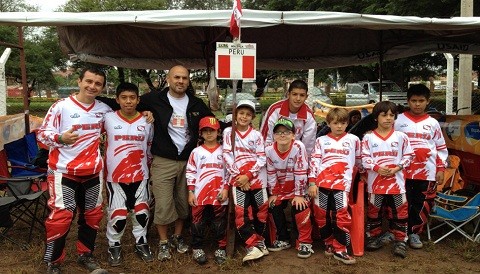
(389, 151)
(74, 171)
(426, 139)
(247, 159)
(287, 178)
(127, 154)
(206, 177)
(304, 121)
(331, 170)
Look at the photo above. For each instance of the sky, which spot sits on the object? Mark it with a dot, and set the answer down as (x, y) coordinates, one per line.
(46, 5)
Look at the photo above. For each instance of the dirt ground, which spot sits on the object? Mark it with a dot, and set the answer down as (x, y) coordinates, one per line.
(453, 255)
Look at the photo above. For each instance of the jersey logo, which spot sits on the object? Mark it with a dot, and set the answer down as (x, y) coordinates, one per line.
(141, 128)
(403, 125)
(346, 144)
(99, 115)
(394, 144)
(76, 115)
(427, 127)
(117, 127)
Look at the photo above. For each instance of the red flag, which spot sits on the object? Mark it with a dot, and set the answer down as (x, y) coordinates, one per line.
(235, 19)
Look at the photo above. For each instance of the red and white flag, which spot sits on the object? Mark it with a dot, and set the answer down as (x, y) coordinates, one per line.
(235, 19)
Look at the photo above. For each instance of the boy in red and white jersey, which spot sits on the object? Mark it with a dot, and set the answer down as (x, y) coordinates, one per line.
(247, 174)
(385, 152)
(127, 155)
(287, 164)
(330, 180)
(426, 169)
(208, 190)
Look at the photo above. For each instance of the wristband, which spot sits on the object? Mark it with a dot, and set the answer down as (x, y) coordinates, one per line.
(192, 191)
(312, 184)
(60, 139)
(400, 166)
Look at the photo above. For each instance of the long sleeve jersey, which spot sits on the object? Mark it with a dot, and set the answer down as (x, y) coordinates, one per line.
(426, 139)
(287, 171)
(82, 158)
(333, 160)
(304, 121)
(389, 151)
(247, 159)
(206, 174)
(127, 150)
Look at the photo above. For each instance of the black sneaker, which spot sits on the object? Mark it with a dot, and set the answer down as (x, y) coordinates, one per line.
(53, 269)
(304, 251)
(177, 242)
(220, 256)
(374, 243)
(344, 257)
(88, 262)
(400, 249)
(115, 255)
(199, 256)
(143, 251)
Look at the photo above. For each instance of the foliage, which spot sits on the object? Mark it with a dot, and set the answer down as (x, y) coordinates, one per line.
(113, 5)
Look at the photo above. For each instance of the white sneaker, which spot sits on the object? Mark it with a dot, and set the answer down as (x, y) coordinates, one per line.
(414, 241)
(253, 253)
(261, 245)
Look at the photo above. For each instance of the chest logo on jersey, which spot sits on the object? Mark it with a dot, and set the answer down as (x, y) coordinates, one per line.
(139, 138)
(87, 126)
(220, 157)
(141, 128)
(346, 144)
(74, 116)
(403, 125)
(394, 144)
(98, 115)
(327, 143)
(212, 165)
(427, 127)
(117, 127)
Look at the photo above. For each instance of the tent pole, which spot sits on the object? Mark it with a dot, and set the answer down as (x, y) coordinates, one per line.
(26, 92)
(380, 68)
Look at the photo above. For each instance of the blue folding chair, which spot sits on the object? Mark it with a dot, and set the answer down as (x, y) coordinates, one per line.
(456, 212)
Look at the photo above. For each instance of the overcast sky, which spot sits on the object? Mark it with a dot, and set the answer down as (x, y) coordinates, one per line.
(46, 5)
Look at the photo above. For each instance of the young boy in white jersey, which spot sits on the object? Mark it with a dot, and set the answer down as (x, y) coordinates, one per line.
(208, 190)
(426, 169)
(385, 152)
(330, 180)
(246, 171)
(287, 164)
(127, 155)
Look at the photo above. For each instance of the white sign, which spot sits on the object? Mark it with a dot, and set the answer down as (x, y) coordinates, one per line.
(236, 61)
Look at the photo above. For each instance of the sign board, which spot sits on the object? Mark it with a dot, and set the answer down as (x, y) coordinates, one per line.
(236, 61)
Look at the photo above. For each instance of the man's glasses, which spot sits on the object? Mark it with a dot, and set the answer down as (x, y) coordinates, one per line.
(282, 133)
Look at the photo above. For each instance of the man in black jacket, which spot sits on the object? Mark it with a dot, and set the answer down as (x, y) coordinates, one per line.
(177, 114)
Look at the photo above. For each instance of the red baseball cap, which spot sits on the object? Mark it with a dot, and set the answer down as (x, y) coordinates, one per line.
(209, 121)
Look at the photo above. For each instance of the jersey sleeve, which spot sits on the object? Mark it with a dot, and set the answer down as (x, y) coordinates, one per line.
(442, 152)
(300, 171)
(315, 161)
(49, 132)
(261, 158)
(309, 134)
(191, 171)
(407, 154)
(228, 156)
(271, 170)
(367, 160)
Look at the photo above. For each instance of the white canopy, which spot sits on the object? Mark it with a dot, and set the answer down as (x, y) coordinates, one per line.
(285, 40)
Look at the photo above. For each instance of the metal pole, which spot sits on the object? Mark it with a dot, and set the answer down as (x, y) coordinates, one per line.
(3, 82)
(464, 103)
(380, 69)
(26, 95)
(449, 92)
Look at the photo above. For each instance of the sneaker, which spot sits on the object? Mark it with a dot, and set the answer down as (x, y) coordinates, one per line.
(53, 269)
(279, 245)
(374, 243)
(115, 255)
(304, 251)
(220, 256)
(387, 238)
(176, 241)
(253, 253)
(414, 241)
(199, 256)
(329, 250)
(344, 257)
(400, 249)
(163, 252)
(261, 245)
(88, 262)
(143, 252)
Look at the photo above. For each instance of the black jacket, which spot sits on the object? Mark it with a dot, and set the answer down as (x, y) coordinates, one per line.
(158, 103)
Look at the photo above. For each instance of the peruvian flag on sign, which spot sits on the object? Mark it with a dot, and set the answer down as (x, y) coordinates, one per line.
(235, 61)
(235, 19)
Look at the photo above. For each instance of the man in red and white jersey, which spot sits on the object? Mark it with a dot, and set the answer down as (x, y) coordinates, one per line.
(294, 109)
(72, 129)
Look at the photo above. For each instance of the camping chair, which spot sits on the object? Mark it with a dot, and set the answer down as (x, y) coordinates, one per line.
(456, 212)
(22, 198)
(452, 181)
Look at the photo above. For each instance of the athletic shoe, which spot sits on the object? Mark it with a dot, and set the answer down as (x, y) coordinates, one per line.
(53, 269)
(253, 253)
(176, 241)
(261, 245)
(400, 249)
(387, 238)
(414, 241)
(329, 250)
(163, 252)
(199, 256)
(374, 243)
(304, 251)
(279, 245)
(220, 256)
(143, 252)
(344, 257)
(115, 255)
(88, 262)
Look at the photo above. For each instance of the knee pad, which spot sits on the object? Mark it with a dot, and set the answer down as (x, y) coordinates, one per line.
(119, 225)
(142, 219)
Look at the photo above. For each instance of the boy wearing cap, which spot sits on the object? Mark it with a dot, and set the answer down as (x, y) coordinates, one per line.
(287, 164)
(330, 180)
(208, 190)
(245, 163)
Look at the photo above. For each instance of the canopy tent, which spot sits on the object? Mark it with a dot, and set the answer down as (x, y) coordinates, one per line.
(285, 40)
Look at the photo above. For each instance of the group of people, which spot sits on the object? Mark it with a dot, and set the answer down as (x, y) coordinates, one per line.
(193, 160)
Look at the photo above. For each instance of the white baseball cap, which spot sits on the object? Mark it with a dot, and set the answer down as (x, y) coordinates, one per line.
(246, 103)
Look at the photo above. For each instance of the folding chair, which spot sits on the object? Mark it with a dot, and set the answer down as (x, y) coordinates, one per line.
(456, 212)
(452, 181)
(22, 198)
